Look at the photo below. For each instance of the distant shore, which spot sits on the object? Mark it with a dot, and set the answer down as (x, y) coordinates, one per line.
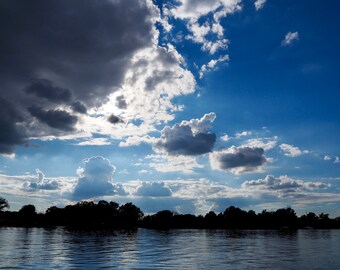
(111, 215)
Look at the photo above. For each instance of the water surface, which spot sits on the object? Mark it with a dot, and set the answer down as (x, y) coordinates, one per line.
(60, 248)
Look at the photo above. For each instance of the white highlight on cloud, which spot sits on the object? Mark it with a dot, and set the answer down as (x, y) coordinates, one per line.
(290, 38)
(326, 157)
(337, 159)
(292, 151)
(259, 4)
(212, 65)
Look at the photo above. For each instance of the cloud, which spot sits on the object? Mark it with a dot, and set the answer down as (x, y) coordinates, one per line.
(69, 55)
(245, 133)
(225, 138)
(290, 38)
(165, 163)
(238, 160)
(58, 119)
(12, 132)
(265, 143)
(284, 184)
(203, 30)
(212, 65)
(337, 160)
(79, 107)
(292, 151)
(259, 4)
(153, 189)
(326, 157)
(188, 137)
(96, 179)
(40, 183)
(43, 88)
(113, 119)
(95, 141)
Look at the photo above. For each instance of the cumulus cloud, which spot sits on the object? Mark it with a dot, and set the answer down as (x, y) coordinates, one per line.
(96, 179)
(225, 138)
(290, 38)
(243, 134)
(113, 119)
(326, 157)
(188, 137)
(292, 151)
(337, 159)
(40, 183)
(259, 4)
(238, 160)
(153, 189)
(265, 143)
(284, 184)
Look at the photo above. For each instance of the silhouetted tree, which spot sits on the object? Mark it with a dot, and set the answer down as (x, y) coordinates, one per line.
(3, 204)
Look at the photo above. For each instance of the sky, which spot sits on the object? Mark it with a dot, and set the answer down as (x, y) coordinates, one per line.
(186, 105)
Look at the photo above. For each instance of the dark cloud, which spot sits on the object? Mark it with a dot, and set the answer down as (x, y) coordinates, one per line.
(46, 89)
(121, 102)
(238, 159)
(54, 118)
(79, 107)
(153, 189)
(114, 119)
(180, 140)
(96, 179)
(12, 132)
(71, 53)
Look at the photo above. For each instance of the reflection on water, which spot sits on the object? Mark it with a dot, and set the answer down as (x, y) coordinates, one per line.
(60, 248)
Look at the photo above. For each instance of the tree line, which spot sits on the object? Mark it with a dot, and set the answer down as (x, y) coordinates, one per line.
(111, 215)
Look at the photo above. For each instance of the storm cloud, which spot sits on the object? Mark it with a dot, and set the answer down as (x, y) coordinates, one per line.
(64, 55)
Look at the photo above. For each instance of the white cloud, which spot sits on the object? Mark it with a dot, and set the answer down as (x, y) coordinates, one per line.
(95, 141)
(290, 38)
(225, 138)
(40, 183)
(292, 151)
(243, 134)
(209, 33)
(337, 160)
(265, 143)
(165, 163)
(326, 157)
(212, 65)
(259, 4)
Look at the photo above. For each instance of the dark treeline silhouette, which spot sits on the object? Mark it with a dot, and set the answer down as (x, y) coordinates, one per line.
(88, 214)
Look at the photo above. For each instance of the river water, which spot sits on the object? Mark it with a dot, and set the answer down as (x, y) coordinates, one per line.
(60, 248)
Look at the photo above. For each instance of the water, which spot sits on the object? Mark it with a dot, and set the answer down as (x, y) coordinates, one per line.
(38, 248)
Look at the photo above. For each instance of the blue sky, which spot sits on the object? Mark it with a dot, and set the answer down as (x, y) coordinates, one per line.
(184, 105)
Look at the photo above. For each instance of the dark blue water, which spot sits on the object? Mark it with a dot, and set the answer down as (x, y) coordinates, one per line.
(59, 248)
